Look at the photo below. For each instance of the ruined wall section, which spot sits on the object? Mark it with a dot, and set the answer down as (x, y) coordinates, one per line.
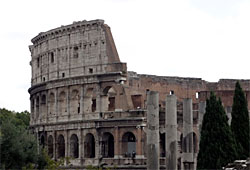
(224, 89)
(181, 87)
(80, 49)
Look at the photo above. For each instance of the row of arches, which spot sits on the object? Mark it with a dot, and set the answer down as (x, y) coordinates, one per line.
(40, 105)
(106, 143)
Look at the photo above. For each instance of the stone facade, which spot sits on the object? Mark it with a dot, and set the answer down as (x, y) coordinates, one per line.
(87, 106)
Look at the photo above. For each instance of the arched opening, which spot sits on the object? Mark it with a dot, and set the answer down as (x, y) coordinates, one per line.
(195, 143)
(52, 103)
(181, 143)
(75, 102)
(43, 106)
(108, 145)
(62, 103)
(128, 144)
(32, 108)
(110, 94)
(50, 146)
(74, 146)
(162, 145)
(60, 146)
(90, 101)
(89, 146)
(188, 143)
(42, 141)
(37, 107)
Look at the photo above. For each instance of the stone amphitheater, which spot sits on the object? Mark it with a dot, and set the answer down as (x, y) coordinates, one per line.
(85, 105)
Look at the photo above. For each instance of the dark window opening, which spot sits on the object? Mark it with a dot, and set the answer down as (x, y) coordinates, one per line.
(43, 99)
(52, 57)
(107, 145)
(50, 146)
(93, 107)
(74, 146)
(162, 145)
(89, 146)
(78, 108)
(61, 147)
(171, 92)
(38, 62)
(111, 106)
(42, 142)
(43, 78)
(75, 53)
(63, 74)
(137, 101)
(90, 70)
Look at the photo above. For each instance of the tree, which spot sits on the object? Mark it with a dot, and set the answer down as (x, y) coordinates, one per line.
(240, 122)
(217, 145)
(18, 145)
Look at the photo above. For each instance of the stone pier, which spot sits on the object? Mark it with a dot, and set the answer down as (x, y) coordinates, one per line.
(188, 150)
(171, 132)
(153, 131)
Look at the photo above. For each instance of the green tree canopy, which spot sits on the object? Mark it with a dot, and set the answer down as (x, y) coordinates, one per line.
(18, 146)
(240, 122)
(217, 145)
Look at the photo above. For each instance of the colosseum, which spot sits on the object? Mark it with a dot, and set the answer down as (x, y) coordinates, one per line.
(85, 105)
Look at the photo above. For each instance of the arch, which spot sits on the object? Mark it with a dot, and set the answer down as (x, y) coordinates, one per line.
(188, 143)
(60, 147)
(90, 100)
(89, 146)
(128, 144)
(43, 102)
(42, 141)
(43, 111)
(195, 144)
(37, 106)
(74, 146)
(52, 103)
(108, 145)
(62, 103)
(162, 145)
(75, 102)
(50, 146)
(181, 143)
(110, 92)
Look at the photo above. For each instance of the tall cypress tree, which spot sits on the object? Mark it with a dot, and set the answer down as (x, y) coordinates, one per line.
(217, 145)
(240, 122)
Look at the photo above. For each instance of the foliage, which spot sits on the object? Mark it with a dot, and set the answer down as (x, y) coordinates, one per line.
(240, 122)
(18, 145)
(217, 145)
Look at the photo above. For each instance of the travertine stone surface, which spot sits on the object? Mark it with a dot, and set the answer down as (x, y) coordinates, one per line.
(153, 131)
(171, 132)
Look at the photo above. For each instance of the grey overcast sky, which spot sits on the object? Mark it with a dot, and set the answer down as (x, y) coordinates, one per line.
(208, 39)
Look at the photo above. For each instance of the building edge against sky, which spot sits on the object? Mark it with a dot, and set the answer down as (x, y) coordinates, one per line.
(86, 105)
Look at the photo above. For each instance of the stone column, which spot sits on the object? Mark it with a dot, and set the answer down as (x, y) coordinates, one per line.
(116, 137)
(139, 143)
(56, 105)
(81, 147)
(153, 131)
(68, 102)
(188, 159)
(171, 132)
(202, 111)
(54, 145)
(81, 102)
